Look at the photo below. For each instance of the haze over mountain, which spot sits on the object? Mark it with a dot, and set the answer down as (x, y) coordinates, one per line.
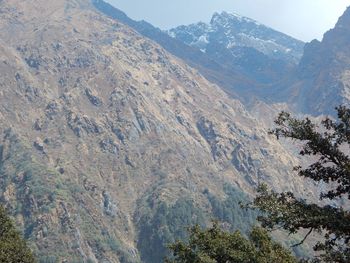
(110, 145)
(242, 71)
(305, 20)
(316, 86)
(322, 80)
(258, 52)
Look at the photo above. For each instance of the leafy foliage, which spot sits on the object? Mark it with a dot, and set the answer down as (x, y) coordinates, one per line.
(330, 145)
(216, 246)
(13, 249)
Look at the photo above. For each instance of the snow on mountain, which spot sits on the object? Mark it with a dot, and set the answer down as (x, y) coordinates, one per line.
(230, 30)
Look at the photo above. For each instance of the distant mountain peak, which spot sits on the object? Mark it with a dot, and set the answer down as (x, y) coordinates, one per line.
(231, 31)
(344, 20)
(226, 17)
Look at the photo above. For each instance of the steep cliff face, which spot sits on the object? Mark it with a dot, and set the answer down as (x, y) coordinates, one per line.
(322, 79)
(107, 140)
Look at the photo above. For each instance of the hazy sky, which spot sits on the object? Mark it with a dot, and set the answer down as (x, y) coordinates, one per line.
(303, 19)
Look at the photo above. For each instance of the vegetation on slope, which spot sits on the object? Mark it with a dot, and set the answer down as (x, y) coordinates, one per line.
(13, 248)
(229, 210)
(164, 222)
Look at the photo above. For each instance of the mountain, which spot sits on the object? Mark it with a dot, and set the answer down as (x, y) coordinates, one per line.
(322, 79)
(243, 72)
(110, 145)
(256, 50)
(232, 31)
(251, 70)
(229, 78)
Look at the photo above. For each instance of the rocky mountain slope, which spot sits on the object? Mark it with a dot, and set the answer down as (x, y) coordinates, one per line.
(322, 80)
(109, 145)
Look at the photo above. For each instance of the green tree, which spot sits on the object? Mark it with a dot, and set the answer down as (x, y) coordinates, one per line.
(328, 144)
(13, 249)
(214, 245)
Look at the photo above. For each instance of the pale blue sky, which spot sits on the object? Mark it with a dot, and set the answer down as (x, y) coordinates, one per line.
(303, 19)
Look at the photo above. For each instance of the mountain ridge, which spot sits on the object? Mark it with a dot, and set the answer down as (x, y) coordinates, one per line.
(234, 72)
(233, 30)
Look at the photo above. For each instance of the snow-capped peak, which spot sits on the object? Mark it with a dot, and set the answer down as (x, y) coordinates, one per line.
(229, 17)
(231, 30)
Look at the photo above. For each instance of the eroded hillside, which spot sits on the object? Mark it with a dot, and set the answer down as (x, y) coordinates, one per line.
(109, 144)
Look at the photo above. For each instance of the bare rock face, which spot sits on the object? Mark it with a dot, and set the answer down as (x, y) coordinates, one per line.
(322, 80)
(102, 130)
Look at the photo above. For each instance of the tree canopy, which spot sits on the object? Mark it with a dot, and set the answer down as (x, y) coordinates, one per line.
(214, 245)
(13, 249)
(328, 144)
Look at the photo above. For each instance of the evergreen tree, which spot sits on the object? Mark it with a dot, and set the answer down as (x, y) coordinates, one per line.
(328, 144)
(217, 246)
(13, 249)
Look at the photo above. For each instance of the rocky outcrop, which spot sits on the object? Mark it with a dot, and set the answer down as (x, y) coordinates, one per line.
(108, 206)
(39, 144)
(93, 97)
(206, 129)
(82, 125)
(109, 145)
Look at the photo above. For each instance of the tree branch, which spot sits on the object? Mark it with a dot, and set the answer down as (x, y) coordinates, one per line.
(302, 241)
